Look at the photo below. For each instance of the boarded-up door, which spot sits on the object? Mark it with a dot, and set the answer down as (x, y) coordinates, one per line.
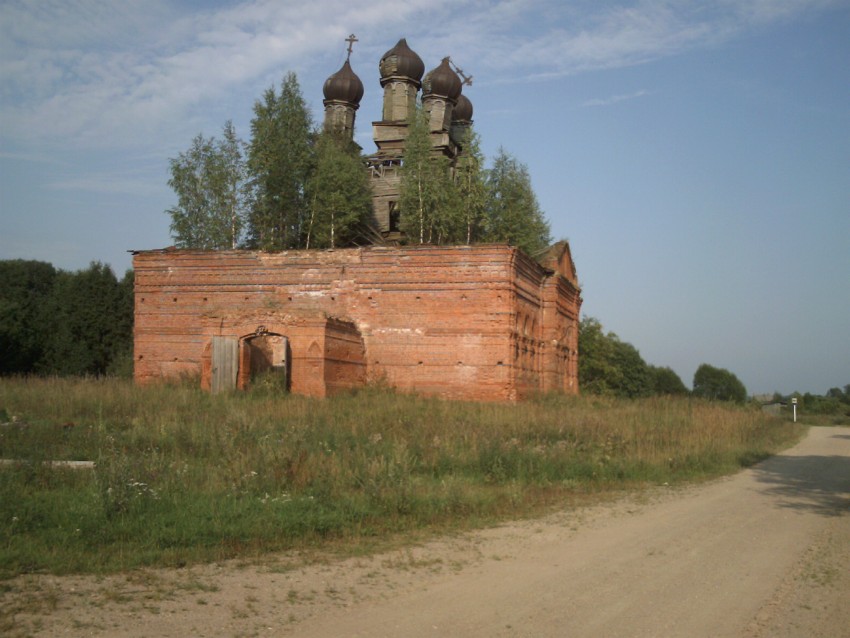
(225, 363)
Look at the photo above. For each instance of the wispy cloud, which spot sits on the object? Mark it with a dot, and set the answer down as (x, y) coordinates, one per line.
(102, 74)
(537, 40)
(90, 88)
(105, 183)
(614, 99)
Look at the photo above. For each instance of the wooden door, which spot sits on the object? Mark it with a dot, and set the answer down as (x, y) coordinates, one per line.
(225, 363)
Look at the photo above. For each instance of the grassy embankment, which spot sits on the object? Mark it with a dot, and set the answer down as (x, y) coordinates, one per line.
(183, 476)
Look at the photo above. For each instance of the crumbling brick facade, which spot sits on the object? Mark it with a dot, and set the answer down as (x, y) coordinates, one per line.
(462, 322)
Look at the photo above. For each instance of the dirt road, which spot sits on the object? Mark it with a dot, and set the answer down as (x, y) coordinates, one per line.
(763, 553)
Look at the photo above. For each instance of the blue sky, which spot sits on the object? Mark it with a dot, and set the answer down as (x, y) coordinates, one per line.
(696, 154)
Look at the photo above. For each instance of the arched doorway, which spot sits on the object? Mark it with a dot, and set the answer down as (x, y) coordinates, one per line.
(265, 359)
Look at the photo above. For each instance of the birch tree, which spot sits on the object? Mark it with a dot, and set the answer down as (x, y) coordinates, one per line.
(340, 199)
(471, 190)
(210, 182)
(428, 197)
(279, 162)
(512, 212)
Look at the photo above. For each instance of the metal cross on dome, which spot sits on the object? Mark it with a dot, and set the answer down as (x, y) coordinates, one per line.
(467, 80)
(351, 40)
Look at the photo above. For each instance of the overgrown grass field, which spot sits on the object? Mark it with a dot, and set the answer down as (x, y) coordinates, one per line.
(183, 476)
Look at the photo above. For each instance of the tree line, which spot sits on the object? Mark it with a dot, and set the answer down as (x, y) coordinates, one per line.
(836, 401)
(609, 366)
(55, 322)
(295, 186)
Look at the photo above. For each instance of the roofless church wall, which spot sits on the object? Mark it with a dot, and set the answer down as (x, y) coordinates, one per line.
(463, 322)
(479, 322)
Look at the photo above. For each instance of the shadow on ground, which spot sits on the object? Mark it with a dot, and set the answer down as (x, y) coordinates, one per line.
(819, 484)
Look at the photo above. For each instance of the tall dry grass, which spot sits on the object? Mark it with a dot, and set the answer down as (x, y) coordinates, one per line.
(182, 475)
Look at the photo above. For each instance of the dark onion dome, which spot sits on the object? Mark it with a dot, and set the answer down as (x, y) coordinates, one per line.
(344, 86)
(442, 81)
(401, 61)
(463, 109)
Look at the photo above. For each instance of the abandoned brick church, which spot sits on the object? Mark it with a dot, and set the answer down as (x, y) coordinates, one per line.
(481, 322)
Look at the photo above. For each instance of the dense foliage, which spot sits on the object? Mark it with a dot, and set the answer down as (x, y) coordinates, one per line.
(512, 214)
(428, 198)
(280, 159)
(212, 193)
(718, 384)
(339, 197)
(65, 323)
(836, 401)
(290, 187)
(25, 287)
(467, 204)
(666, 381)
(607, 365)
(470, 178)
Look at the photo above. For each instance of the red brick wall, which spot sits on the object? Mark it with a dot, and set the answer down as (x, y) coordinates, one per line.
(481, 322)
(344, 357)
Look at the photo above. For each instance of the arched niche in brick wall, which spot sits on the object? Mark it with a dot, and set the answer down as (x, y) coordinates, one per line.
(305, 354)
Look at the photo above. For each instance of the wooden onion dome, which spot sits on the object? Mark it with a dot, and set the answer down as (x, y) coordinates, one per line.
(462, 111)
(401, 62)
(343, 92)
(344, 86)
(442, 82)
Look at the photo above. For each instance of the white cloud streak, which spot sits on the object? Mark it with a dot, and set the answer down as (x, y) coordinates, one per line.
(89, 89)
(106, 182)
(614, 99)
(92, 73)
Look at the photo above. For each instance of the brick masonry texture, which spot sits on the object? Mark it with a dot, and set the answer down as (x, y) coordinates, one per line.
(461, 322)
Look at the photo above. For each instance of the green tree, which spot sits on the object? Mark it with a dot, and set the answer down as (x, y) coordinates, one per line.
(831, 403)
(635, 378)
(718, 384)
(24, 287)
(838, 394)
(340, 199)
(86, 322)
(210, 182)
(280, 157)
(234, 177)
(512, 212)
(427, 194)
(665, 381)
(596, 370)
(121, 355)
(608, 365)
(471, 189)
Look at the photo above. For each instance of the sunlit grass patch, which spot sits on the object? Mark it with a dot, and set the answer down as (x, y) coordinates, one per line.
(183, 476)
